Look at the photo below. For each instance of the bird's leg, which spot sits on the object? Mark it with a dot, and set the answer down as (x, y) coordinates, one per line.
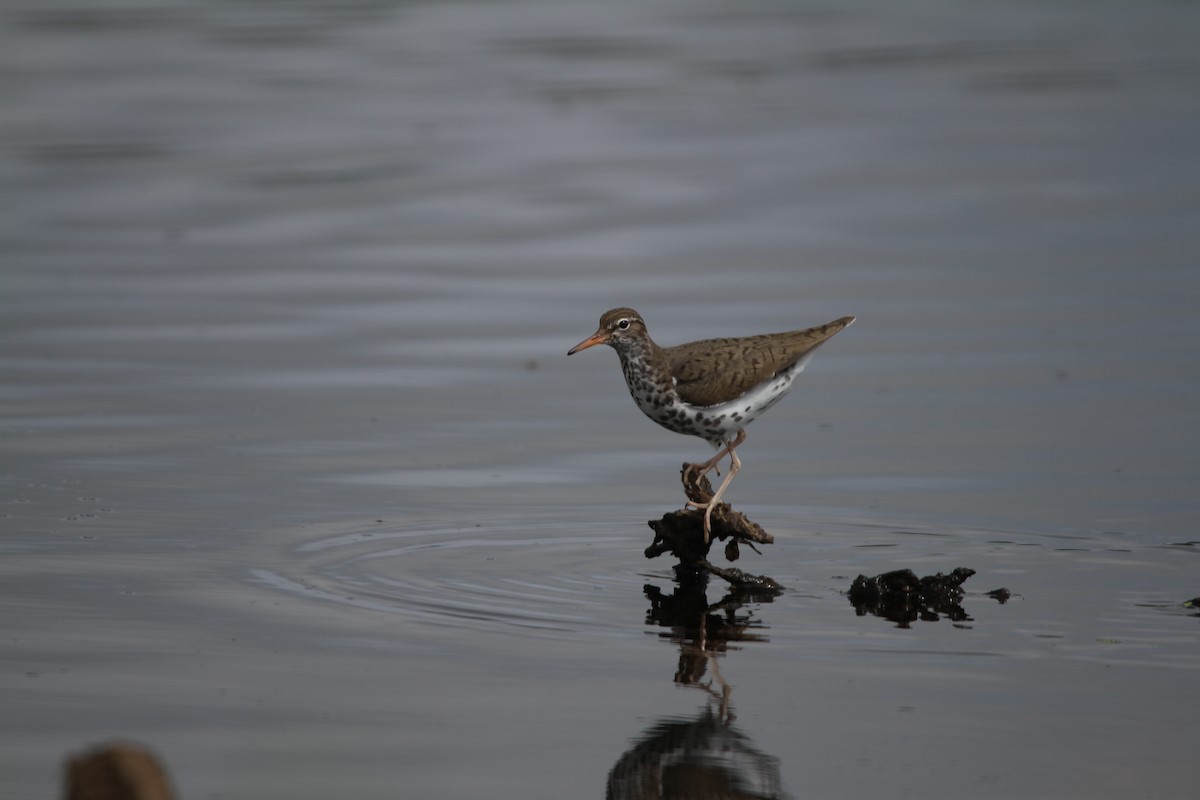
(711, 464)
(735, 464)
(703, 469)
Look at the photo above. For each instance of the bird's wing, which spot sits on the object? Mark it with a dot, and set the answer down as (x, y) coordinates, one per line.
(717, 370)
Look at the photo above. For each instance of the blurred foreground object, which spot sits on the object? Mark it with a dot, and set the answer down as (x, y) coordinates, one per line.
(117, 771)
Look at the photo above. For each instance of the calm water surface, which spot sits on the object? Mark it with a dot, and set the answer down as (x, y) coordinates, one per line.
(300, 489)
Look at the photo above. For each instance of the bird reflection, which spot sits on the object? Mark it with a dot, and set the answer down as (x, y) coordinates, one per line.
(703, 757)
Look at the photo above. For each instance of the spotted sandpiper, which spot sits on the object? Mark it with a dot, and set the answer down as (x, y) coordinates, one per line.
(713, 388)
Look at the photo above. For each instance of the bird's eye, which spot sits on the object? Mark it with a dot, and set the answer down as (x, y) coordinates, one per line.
(623, 324)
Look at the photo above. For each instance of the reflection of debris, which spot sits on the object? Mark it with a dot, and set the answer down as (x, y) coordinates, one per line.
(704, 631)
(681, 533)
(117, 771)
(903, 597)
(703, 758)
(694, 622)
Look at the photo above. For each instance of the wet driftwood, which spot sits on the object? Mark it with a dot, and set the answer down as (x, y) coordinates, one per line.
(681, 533)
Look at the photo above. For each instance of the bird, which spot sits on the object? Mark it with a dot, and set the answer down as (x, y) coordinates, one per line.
(712, 388)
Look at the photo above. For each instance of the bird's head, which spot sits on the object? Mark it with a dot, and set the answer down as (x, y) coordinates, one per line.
(618, 328)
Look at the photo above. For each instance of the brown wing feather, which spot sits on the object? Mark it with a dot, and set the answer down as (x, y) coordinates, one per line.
(717, 370)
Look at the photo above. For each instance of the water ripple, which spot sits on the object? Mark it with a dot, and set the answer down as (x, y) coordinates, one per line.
(521, 575)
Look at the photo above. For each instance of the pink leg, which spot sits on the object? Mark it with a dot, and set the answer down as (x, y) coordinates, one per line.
(735, 464)
(711, 464)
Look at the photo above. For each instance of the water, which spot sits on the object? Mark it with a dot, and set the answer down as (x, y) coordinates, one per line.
(301, 490)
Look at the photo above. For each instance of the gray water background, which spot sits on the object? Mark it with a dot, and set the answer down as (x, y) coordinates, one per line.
(300, 489)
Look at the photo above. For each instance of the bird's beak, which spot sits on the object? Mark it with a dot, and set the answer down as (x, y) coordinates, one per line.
(599, 337)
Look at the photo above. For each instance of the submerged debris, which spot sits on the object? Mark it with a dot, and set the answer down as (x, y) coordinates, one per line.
(902, 597)
(743, 580)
